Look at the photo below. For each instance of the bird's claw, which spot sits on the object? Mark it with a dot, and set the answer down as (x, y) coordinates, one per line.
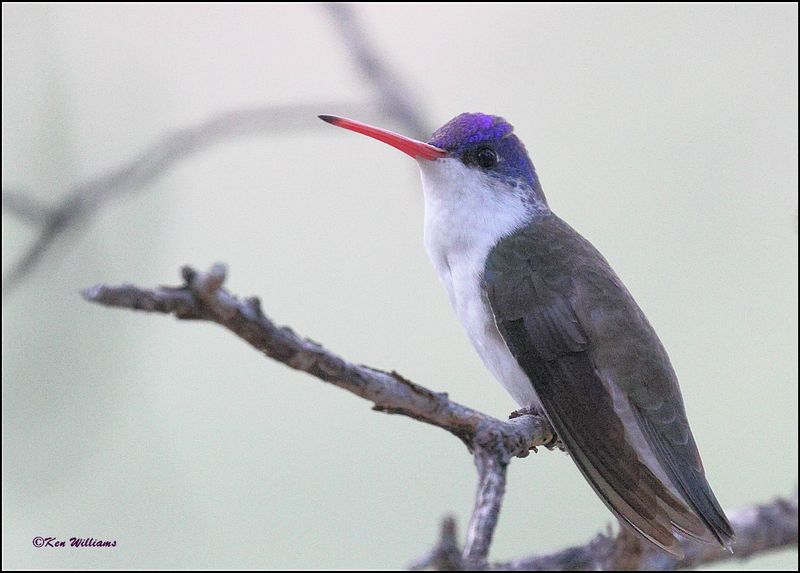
(554, 443)
(526, 411)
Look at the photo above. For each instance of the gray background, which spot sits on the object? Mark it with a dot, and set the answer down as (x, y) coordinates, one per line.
(665, 134)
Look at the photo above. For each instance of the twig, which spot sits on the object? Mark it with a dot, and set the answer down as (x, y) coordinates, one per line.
(391, 92)
(202, 297)
(445, 556)
(25, 207)
(87, 198)
(492, 465)
(759, 529)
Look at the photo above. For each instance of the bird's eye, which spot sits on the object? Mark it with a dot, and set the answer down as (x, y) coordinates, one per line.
(486, 157)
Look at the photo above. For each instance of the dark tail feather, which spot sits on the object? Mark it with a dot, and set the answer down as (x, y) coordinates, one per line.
(693, 486)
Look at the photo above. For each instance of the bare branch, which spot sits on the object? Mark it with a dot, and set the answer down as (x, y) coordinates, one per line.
(491, 462)
(135, 174)
(81, 201)
(493, 442)
(491, 466)
(391, 92)
(759, 529)
(203, 298)
(445, 556)
(25, 207)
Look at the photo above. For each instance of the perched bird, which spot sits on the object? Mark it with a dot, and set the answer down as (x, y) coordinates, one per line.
(555, 325)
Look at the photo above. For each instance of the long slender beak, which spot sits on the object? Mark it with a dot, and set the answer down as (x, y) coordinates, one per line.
(412, 147)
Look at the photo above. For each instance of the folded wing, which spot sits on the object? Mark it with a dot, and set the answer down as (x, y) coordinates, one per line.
(597, 366)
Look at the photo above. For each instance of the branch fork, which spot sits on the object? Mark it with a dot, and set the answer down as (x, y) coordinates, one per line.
(493, 443)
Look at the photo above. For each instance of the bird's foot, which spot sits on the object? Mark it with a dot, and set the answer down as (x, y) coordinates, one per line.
(526, 411)
(554, 442)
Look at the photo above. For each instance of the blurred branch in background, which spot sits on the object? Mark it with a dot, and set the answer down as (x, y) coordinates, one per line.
(84, 200)
(492, 442)
(396, 99)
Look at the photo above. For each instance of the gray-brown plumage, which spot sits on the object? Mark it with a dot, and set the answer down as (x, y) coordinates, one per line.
(585, 344)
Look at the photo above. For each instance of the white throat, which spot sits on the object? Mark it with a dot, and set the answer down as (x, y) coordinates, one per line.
(466, 213)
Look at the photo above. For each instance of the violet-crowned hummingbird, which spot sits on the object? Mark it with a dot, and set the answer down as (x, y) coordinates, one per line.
(556, 326)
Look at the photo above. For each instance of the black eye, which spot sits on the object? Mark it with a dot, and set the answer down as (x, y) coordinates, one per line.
(486, 157)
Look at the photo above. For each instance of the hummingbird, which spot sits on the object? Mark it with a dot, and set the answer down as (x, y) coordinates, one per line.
(554, 324)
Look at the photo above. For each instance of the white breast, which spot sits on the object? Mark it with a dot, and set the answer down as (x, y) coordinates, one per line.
(466, 213)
